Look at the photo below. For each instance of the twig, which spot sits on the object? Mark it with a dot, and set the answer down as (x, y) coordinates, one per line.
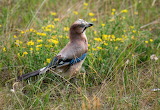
(151, 23)
(153, 2)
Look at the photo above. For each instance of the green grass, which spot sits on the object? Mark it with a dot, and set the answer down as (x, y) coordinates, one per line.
(118, 72)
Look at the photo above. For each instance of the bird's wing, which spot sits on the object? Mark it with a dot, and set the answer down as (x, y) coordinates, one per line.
(71, 53)
(60, 62)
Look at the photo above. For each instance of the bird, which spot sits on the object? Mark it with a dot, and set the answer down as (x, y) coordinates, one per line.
(69, 60)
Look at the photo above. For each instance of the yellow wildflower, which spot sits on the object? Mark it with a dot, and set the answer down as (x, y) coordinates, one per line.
(39, 40)
(113, 13)
(66, 28)
(124, 11)
(91, 14)
(55, 41)
(99, 48)
(43, 34)
(105, 37)
(48, 30)
(95, 32)
(26, 31)
(106, 44)
(132, 27)
(15, 36)
(18, 42)
(30, 43)
(48, 46)
(103, 25)
(25, 53)
(37, 48)
(89, 45)
(34, 31)
(4, 49)
(151, 40)
(146, 42)
(113, 10)
(85, 4)
(18, 54)
(0, 25)
(53, 13)
(56, 19)
(125, 37)
(31, 30)
(75, 12)
(134, 31)
(93, 19)
(31, 49)
(118, 39)
(113, 36)
(42, 28)
(94, 49)
(98, 39)
(116, 47)
(22, 32)
(40, 45)
(67, 37)
(50, 26)
(48, 60)
(91, 54)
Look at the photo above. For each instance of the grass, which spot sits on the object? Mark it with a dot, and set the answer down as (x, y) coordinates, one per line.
(118, 72)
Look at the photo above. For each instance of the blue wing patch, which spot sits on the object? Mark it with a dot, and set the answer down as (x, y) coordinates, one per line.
(76, 60)
(61, 62)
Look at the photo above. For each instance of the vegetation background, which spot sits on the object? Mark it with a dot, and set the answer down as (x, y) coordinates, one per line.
(121, 71)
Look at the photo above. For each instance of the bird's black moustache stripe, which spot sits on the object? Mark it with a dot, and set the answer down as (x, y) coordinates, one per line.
(84, 29)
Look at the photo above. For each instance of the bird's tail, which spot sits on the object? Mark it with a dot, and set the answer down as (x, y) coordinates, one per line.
(34, 73)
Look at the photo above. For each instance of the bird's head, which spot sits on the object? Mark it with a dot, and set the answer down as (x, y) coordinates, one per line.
(80, 26)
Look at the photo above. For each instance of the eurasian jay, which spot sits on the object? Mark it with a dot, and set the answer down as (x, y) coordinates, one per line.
(70, 59)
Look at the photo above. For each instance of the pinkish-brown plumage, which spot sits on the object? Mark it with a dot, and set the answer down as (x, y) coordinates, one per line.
(77, 46)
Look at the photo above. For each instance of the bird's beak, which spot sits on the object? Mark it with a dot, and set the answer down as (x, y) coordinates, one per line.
(89, 25)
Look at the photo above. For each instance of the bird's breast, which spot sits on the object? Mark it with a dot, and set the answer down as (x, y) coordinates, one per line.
(82, 47)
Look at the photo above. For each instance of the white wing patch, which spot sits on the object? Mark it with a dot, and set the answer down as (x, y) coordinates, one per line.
(43, 70)
(61, 62)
